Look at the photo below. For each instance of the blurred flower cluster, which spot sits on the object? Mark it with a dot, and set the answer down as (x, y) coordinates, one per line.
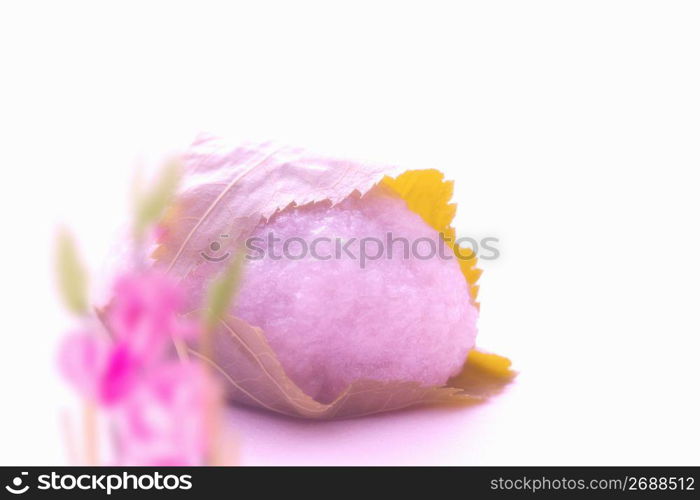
(160, 406)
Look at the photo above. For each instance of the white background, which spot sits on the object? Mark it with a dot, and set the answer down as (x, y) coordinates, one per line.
(571, 128)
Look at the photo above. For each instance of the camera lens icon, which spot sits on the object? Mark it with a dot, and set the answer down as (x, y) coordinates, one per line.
(16, 487)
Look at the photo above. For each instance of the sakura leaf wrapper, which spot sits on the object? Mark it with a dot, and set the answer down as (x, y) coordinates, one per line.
(232, 190)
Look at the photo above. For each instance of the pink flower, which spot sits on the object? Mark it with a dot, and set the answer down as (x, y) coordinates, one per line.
(99, 370)
(120, 374)
(159, 407)
(82, 358)
(163, 421)
(143, 317)
(144, 314)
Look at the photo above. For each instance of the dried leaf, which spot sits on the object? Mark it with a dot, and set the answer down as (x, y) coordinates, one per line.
(229, 190)
(484, 374)
(256, 378)
(72, 277)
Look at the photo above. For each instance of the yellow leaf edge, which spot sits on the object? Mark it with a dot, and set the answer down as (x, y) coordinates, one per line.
(428, 194)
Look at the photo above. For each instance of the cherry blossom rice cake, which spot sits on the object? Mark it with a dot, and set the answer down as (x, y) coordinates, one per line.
(353, 295)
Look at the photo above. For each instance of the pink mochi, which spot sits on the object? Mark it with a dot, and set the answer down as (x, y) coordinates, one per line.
(333, 321)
